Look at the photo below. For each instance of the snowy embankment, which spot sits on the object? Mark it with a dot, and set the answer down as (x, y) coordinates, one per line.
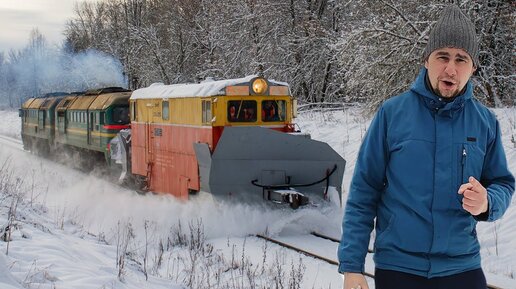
(71, 230)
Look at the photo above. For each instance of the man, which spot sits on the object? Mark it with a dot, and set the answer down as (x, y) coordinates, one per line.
(431, 165)
(268, 111)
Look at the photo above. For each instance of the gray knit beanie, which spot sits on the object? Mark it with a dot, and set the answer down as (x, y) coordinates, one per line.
(453, 29)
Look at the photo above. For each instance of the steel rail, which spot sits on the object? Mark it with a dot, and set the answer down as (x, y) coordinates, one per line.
(330, 261)
(304, 252)
(332, 239)
(10, 140)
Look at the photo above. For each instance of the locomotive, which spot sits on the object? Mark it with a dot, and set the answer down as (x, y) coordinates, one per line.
(233, 138)
(78, 124)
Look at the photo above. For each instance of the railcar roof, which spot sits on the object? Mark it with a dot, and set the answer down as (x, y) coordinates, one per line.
(104, 100)
(207, 88)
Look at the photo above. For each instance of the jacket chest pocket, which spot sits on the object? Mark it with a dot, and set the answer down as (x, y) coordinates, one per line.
(471, 162)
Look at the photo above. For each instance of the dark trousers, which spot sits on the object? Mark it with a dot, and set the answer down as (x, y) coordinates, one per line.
(387, 279)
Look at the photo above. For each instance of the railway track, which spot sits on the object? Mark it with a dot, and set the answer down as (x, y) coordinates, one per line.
(306, 252)
(322, 258)
(15, 143)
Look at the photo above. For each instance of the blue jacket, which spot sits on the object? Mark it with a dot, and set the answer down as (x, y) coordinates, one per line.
(415, 155)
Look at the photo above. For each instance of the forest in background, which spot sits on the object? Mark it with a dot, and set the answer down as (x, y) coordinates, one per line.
(335, 51)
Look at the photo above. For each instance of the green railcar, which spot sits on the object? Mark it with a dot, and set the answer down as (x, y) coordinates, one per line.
(89, 121)
(75, 124)
(38, 122)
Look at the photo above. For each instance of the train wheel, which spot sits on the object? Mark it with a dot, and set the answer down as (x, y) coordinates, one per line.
(142, 184)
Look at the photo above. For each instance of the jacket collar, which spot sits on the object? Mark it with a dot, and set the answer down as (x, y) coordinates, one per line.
(434, 102)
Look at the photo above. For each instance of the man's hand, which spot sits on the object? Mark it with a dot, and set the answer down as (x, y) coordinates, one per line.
(355, 281)
(475, 197)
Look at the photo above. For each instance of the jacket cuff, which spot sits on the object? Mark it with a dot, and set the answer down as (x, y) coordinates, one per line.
(351, 268)
(483, 217)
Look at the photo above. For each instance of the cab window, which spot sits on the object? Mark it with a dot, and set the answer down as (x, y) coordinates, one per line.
(273, 110)
(165, 110)
(206, 111)
(133, 110)
(241, 111)
(121, 114)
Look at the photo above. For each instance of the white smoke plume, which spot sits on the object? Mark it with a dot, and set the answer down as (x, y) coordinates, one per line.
(33, 72)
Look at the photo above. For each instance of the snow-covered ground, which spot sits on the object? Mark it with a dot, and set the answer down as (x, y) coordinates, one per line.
(72, 230)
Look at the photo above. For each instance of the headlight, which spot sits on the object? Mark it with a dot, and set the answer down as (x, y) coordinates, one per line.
(259, 86)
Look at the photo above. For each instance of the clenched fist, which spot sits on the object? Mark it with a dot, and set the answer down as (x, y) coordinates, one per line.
(475, 197)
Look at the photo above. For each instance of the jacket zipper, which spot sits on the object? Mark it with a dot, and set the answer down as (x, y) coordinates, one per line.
(464, 156)
(463, 163)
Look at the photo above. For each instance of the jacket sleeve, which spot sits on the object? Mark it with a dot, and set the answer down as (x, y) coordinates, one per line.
(367, 184)
(497, 179)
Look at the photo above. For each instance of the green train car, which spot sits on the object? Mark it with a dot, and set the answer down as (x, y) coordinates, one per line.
(38, 121)
(76, 125)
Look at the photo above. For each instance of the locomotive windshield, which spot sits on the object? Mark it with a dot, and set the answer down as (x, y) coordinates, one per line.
(242, 110)
(121, 114)
(273, 110)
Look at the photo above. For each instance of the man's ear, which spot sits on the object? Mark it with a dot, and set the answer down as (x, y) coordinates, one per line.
(426, 63)
(473, 70)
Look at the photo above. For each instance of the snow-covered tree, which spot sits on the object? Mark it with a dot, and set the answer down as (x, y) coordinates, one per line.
(382, 52)
(495, 23)
(177, 40)
(327, 50)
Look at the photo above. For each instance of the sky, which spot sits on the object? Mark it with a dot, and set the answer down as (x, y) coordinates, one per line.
(19, 17)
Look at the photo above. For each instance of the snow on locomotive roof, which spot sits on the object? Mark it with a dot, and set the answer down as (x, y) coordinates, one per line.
(206, 88)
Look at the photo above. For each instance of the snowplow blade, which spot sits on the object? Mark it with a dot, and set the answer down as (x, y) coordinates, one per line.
(249, 161)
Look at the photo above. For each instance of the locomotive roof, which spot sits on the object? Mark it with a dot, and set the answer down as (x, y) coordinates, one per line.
(94, 101)
(105, 90)
(27, 103)
(52, 101)
(36, 103)
(104, 100)
(207, 88)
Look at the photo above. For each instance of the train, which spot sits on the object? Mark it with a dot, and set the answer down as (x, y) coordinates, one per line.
(234, 138)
